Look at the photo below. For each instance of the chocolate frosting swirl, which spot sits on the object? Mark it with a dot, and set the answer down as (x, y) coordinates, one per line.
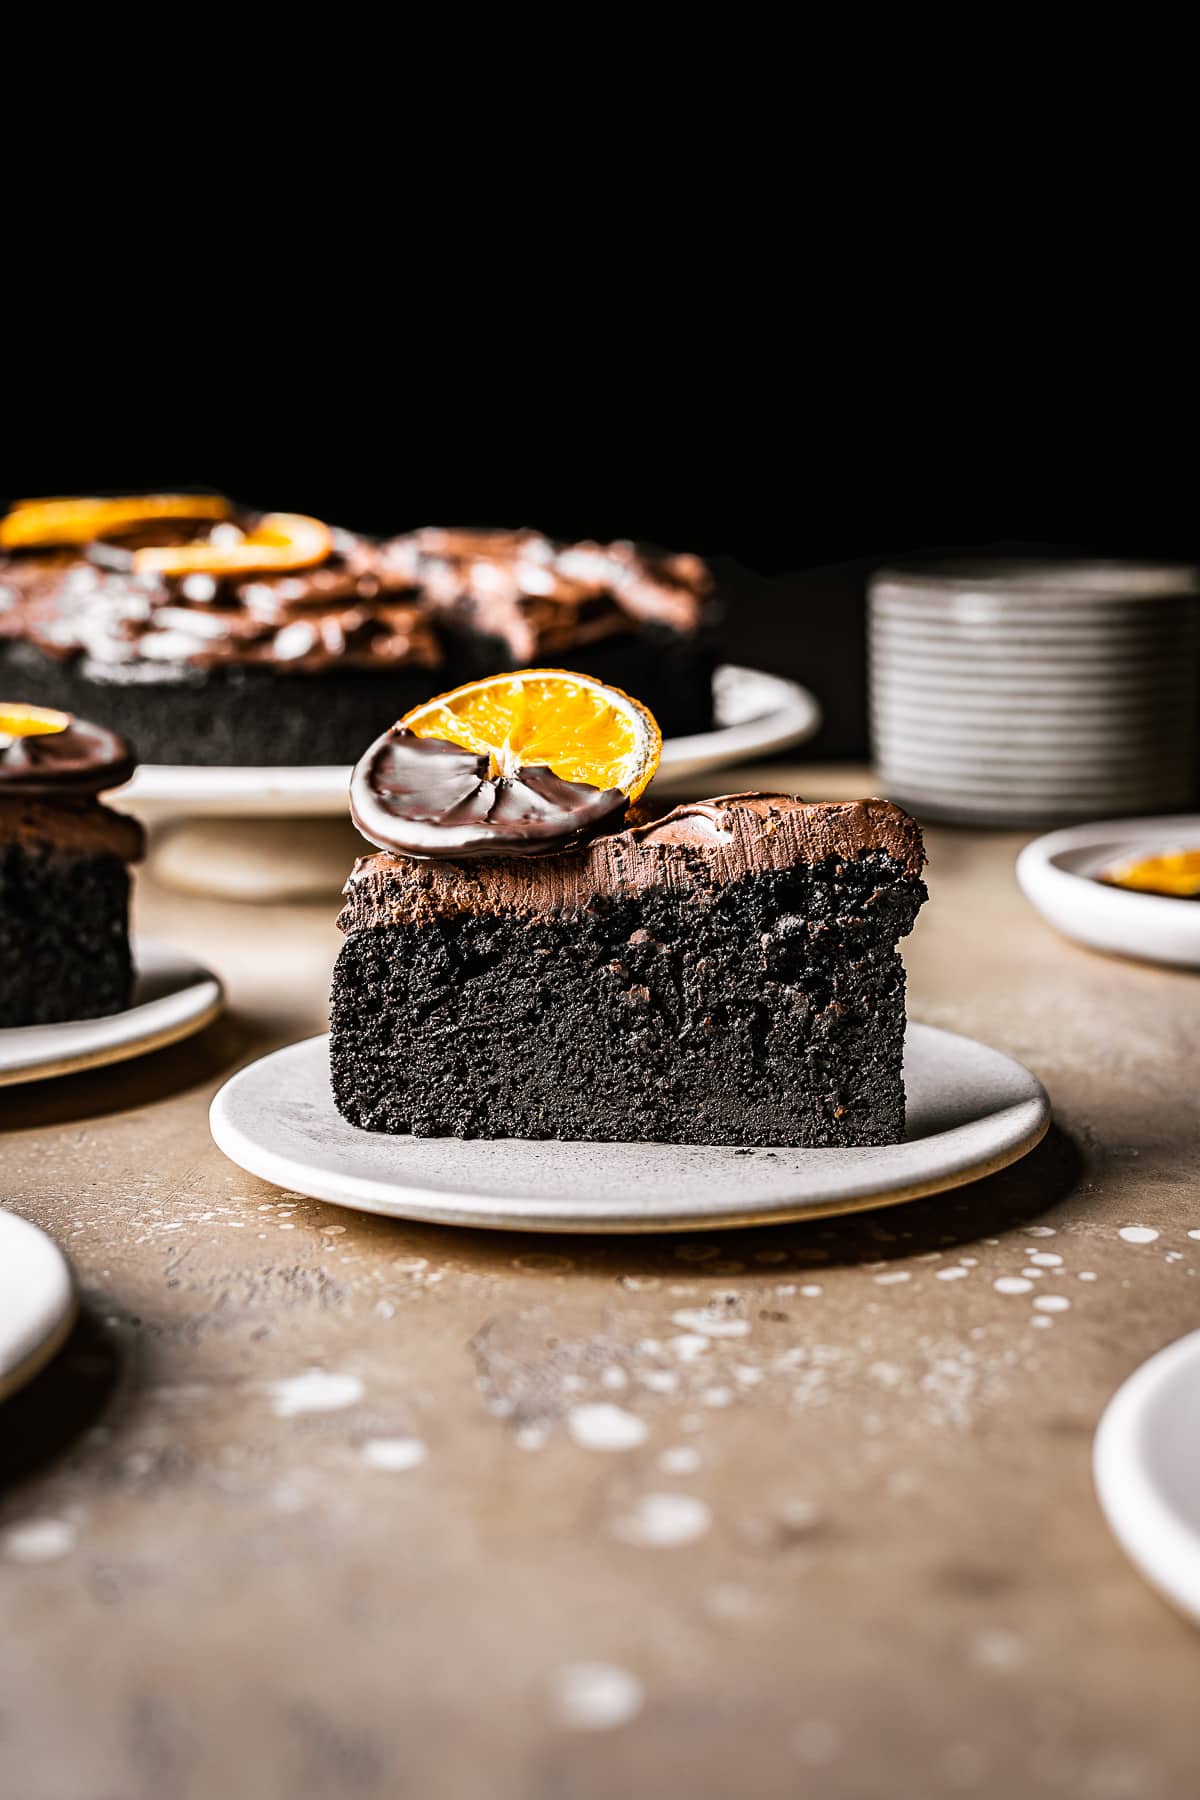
(356, 608)
(83, 759)
(424, 796)
(367, 604)
(541, 596)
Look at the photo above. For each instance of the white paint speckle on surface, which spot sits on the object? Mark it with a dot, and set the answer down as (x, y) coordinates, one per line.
(801, 1515)
(1012, 1284)
(1038, 1231)
(1087, 1274)
(1052, 1303)
(887, 1374)
(394, 1454)
(38, 1540)
(997, 1649)
(688, 1347)
(680, 1459)
(1195, 1236)
(663, 1521)
(812, 1290)
(955, 1274)
(1046, 1259)
(602, 1426)
(1041, 1321)
(893, 1278)
(1138, 1234)
(710, 1324)
(317, 1390)
(596, 1696)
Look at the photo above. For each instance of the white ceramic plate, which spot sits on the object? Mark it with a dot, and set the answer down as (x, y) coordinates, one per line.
(758, 715)
(971, 1111)
(1147, 1470)
(173, 997)
(1057, 874)
(37, 1301)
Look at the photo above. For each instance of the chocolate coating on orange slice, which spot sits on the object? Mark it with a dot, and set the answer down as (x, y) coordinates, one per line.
(46, 752)
(424, 796)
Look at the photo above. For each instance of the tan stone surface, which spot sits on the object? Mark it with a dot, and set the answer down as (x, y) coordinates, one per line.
(901, 1585)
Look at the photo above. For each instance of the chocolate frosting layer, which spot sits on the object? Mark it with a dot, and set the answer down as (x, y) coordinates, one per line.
(699, 847)
(368, 604)
(543, 597)
(358, 607)
(83, 759)
(76, 827)
(424, 796)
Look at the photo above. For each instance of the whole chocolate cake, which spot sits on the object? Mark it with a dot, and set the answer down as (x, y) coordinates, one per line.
(728, 974)
(64, 869)
(211, 634)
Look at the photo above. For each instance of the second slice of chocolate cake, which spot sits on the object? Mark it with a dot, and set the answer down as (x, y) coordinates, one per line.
(726, 975)
(64, 869)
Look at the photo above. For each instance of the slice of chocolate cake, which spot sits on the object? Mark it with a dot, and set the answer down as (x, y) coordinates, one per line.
(64, 869)
(728, 974)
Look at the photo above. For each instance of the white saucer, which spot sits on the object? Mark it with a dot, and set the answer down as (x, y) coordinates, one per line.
(758, 715)
(173, 997)
(1146, 1464)
(37, 1301)
(1057, 873)
(971, 1111)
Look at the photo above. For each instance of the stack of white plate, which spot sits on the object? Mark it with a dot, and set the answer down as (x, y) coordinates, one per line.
(1023, 693)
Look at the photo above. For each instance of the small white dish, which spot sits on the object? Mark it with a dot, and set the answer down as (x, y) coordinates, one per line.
(37, 1301)
(1057, 873)
(1146, 1464)
(174, 996)
(971, 1111)
(757, 716)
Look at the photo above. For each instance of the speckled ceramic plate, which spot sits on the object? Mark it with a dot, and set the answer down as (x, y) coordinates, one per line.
(174, 997)
(971, 1111)
(1058, 873)
(37, 1301)
(757, 715)
(1147, 1470)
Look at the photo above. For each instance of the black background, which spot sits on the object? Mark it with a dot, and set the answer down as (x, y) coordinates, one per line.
(794, 481)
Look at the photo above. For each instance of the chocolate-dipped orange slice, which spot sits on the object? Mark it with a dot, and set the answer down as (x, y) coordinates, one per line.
(511, 765)
(46, 752)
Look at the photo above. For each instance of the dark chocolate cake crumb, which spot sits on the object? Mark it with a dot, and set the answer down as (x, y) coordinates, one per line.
(721, 990)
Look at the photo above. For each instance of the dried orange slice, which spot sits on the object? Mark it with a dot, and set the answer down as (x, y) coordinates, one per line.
(19, 721)
(575, 726)
(279, 542)
(1174, 874)
(46, 524)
